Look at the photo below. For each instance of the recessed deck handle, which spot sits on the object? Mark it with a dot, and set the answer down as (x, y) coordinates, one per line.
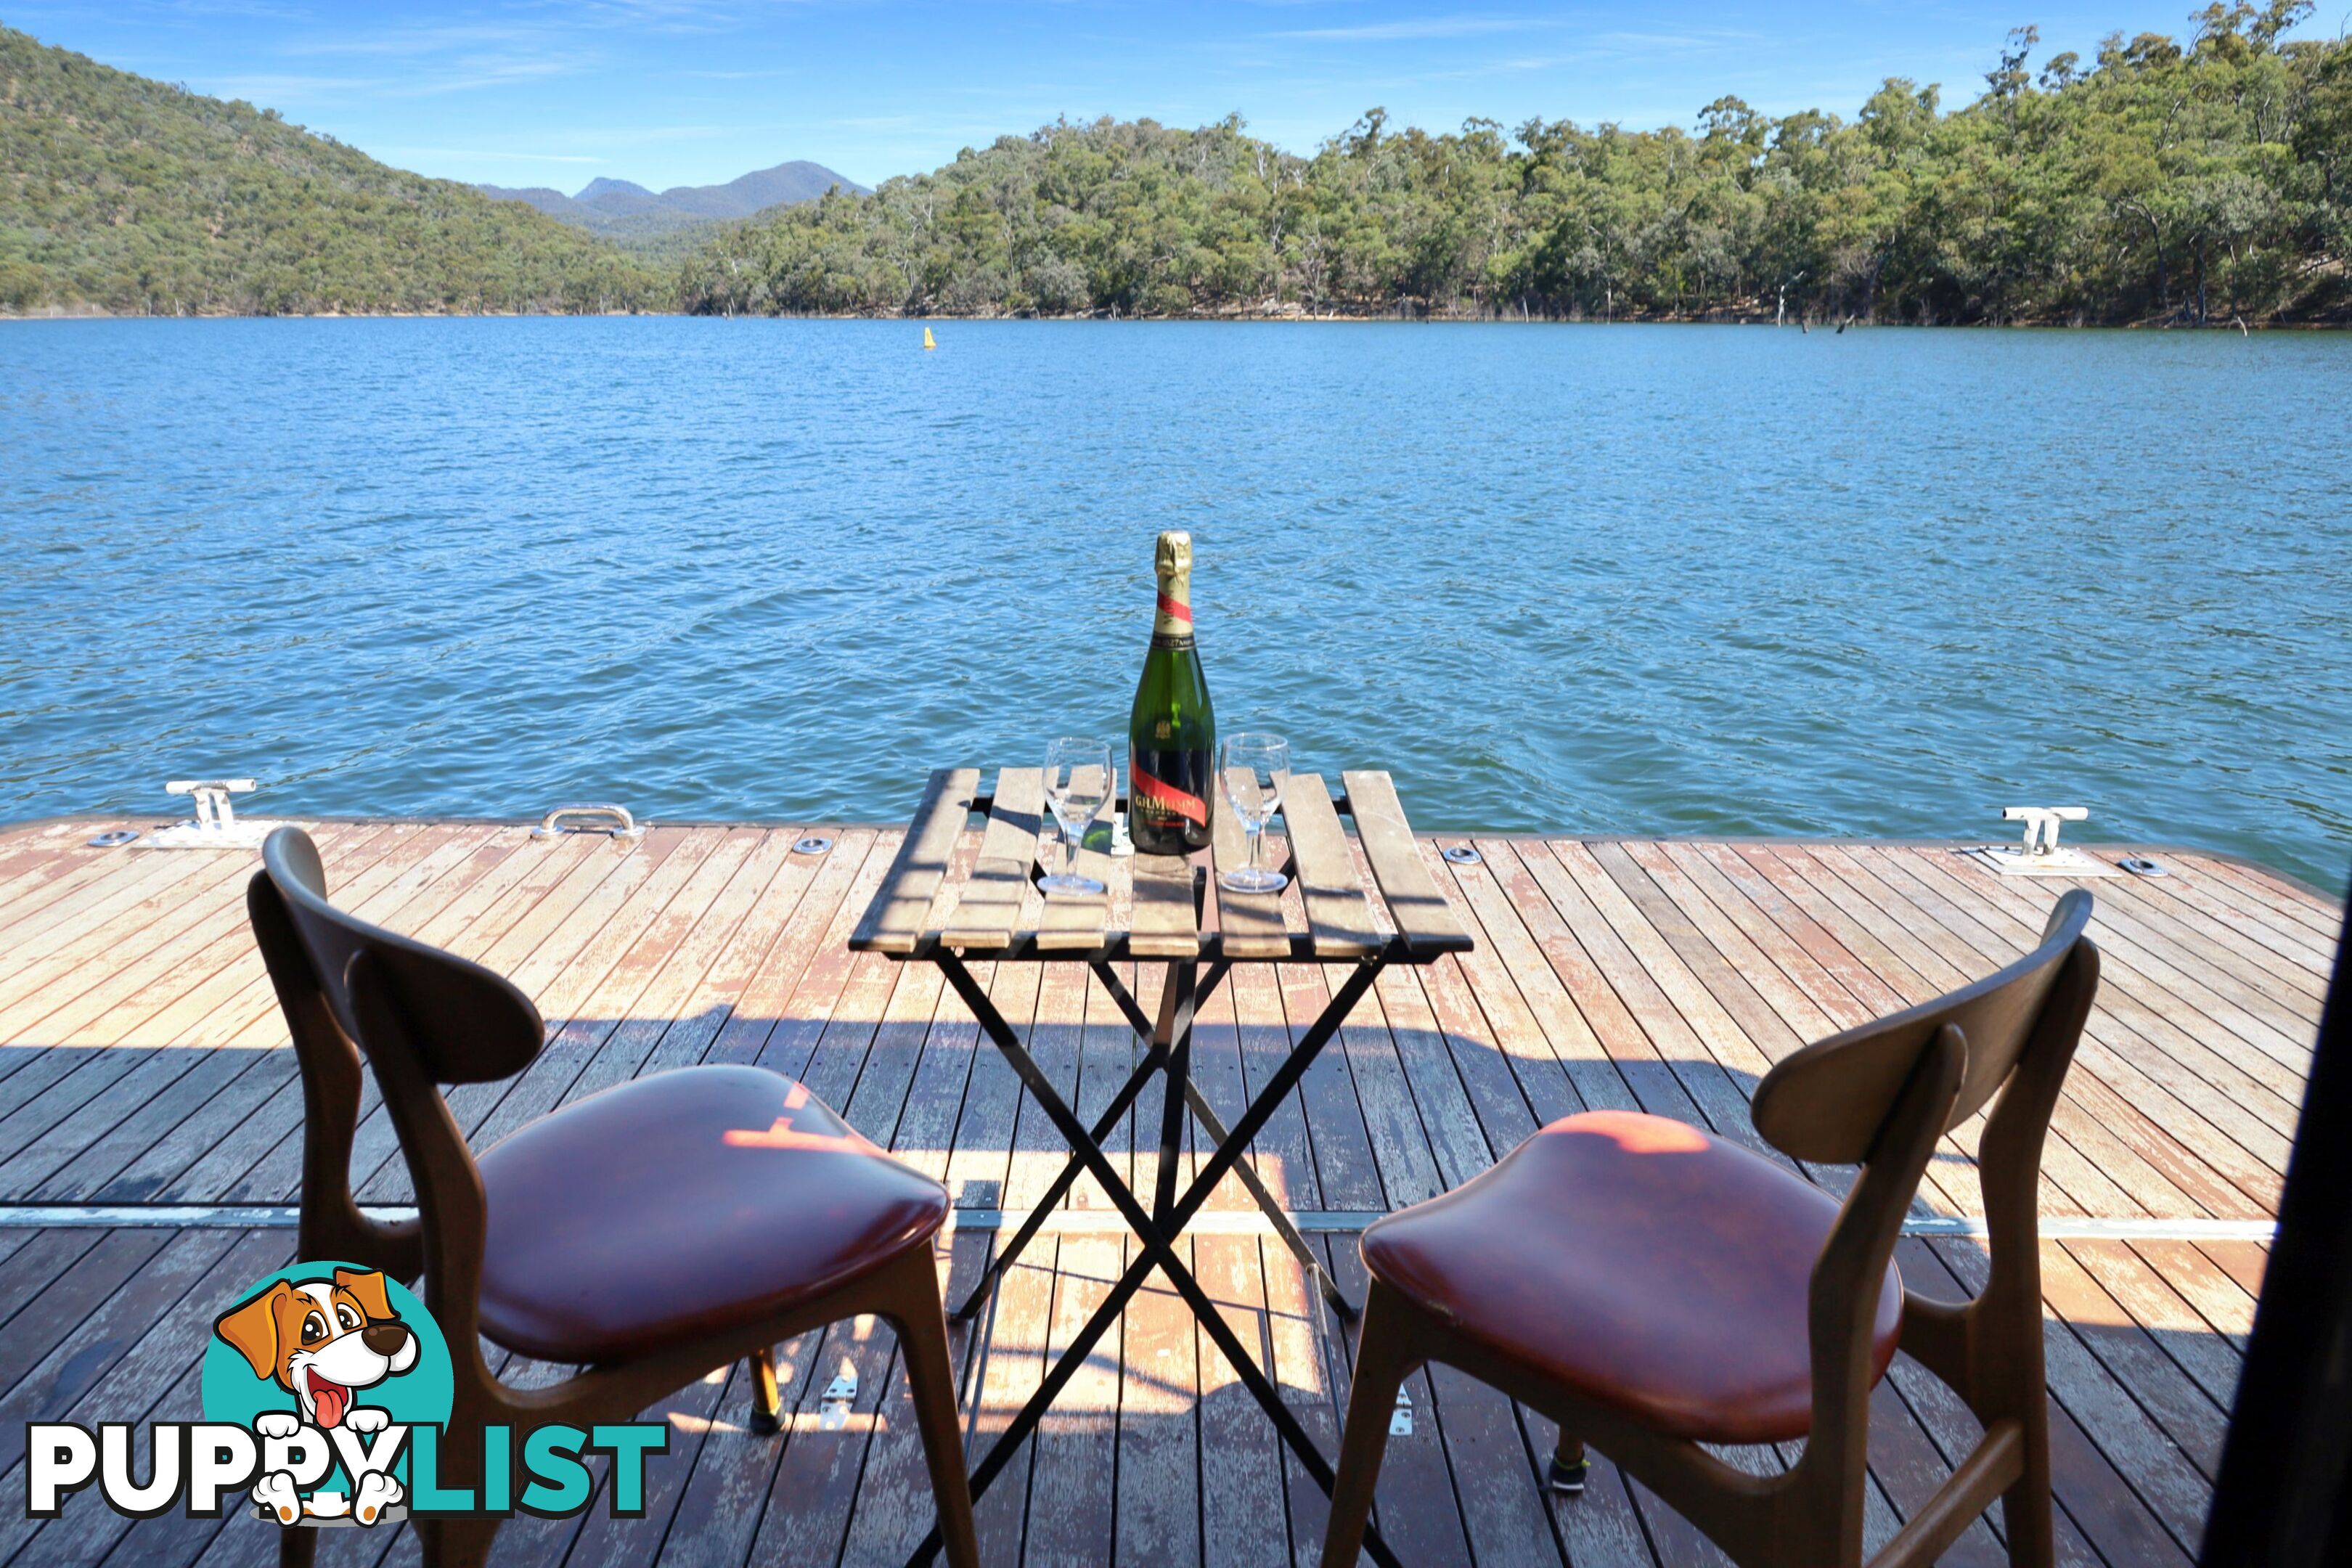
(591, 818)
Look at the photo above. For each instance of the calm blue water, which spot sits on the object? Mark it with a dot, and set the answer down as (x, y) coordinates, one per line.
(1658, 579)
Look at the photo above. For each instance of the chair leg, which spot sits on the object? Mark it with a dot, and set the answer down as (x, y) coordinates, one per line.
(297, 1545)
(1570, 1468)
(460, 1542)
(1380, 1368)
(767, 1400)
(2025, 1508)
(921, 1321)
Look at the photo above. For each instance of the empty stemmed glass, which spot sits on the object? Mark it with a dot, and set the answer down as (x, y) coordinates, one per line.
(1079, 783)
(1254, 769)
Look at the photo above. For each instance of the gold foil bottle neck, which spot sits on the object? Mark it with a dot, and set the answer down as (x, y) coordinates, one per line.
(1174, 558)
(1173, 563)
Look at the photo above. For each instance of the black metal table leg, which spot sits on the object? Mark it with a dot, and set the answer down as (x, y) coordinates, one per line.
(1153, 1060)
(1274, 1212)
(1158, 1230)
(1215, 1129)
(1261, 1110)
(1007, 1254)
(1127, 1005)
(1175, 1029)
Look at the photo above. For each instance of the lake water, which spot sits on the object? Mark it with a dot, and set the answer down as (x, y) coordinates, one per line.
(1646, 579)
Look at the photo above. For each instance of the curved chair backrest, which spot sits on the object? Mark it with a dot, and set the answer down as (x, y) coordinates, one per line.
(1881, 1097)
(467, 1024)
(1828, 1102)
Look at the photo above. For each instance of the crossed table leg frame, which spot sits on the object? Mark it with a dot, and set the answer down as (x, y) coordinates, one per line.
(1159, 1229)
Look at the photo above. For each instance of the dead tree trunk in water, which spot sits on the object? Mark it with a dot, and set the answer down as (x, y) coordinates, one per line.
(1780, 312)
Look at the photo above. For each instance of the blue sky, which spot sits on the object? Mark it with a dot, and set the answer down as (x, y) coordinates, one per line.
(693, 91)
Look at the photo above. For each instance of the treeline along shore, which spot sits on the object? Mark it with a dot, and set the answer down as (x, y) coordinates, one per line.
(2165, 181)
(2157, 182)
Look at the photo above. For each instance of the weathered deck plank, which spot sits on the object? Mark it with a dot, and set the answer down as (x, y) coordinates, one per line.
(142, 1061)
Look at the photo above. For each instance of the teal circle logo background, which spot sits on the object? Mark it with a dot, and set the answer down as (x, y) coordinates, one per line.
(420, 1396)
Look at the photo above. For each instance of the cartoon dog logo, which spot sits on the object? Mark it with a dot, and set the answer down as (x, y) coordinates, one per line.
(323, 1341)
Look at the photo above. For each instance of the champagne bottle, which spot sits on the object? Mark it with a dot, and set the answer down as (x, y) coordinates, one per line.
(1171, 734)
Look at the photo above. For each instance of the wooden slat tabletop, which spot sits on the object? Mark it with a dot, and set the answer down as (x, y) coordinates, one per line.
(990, 909)
(1423, 917)
(894, 919)
(1337, 910)
(1167, 924)
(1162, 906)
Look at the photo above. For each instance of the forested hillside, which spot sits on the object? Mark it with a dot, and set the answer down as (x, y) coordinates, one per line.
(2161, 181)
(2176, 181)
(131, 196)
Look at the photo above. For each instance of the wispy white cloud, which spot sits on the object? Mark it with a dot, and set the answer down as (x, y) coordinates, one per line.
(1603, 46)
(654, 135)
(465, 77)
(1684, 41)
(271, 89)
(471, 76)
(493, 155)
(683, 17)
(1415, 28)
(411, 41)
(259, 10)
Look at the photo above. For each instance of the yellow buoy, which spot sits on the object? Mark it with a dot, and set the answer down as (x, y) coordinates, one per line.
(929, 341)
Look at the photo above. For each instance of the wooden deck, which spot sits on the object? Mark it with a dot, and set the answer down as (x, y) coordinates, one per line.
(143, 1070)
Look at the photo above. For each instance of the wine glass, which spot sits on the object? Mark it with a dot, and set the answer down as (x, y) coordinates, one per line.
(1254, 769)
(1079, 783)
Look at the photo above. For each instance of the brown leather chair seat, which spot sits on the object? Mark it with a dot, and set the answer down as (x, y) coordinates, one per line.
(1651, 1267)
(589, 1254)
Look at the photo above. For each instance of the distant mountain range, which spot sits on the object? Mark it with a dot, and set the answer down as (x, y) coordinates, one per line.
(619, 209)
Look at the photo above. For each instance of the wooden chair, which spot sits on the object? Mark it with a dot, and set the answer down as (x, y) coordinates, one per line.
(1653, 1289)
(646, 1235)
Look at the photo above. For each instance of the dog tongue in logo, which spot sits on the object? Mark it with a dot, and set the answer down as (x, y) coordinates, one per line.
(331, 1398)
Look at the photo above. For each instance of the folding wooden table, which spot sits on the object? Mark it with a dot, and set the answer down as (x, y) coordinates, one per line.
(1200, 931)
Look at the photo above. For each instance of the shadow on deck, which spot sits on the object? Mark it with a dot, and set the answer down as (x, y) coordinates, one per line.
(1154, 1453)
